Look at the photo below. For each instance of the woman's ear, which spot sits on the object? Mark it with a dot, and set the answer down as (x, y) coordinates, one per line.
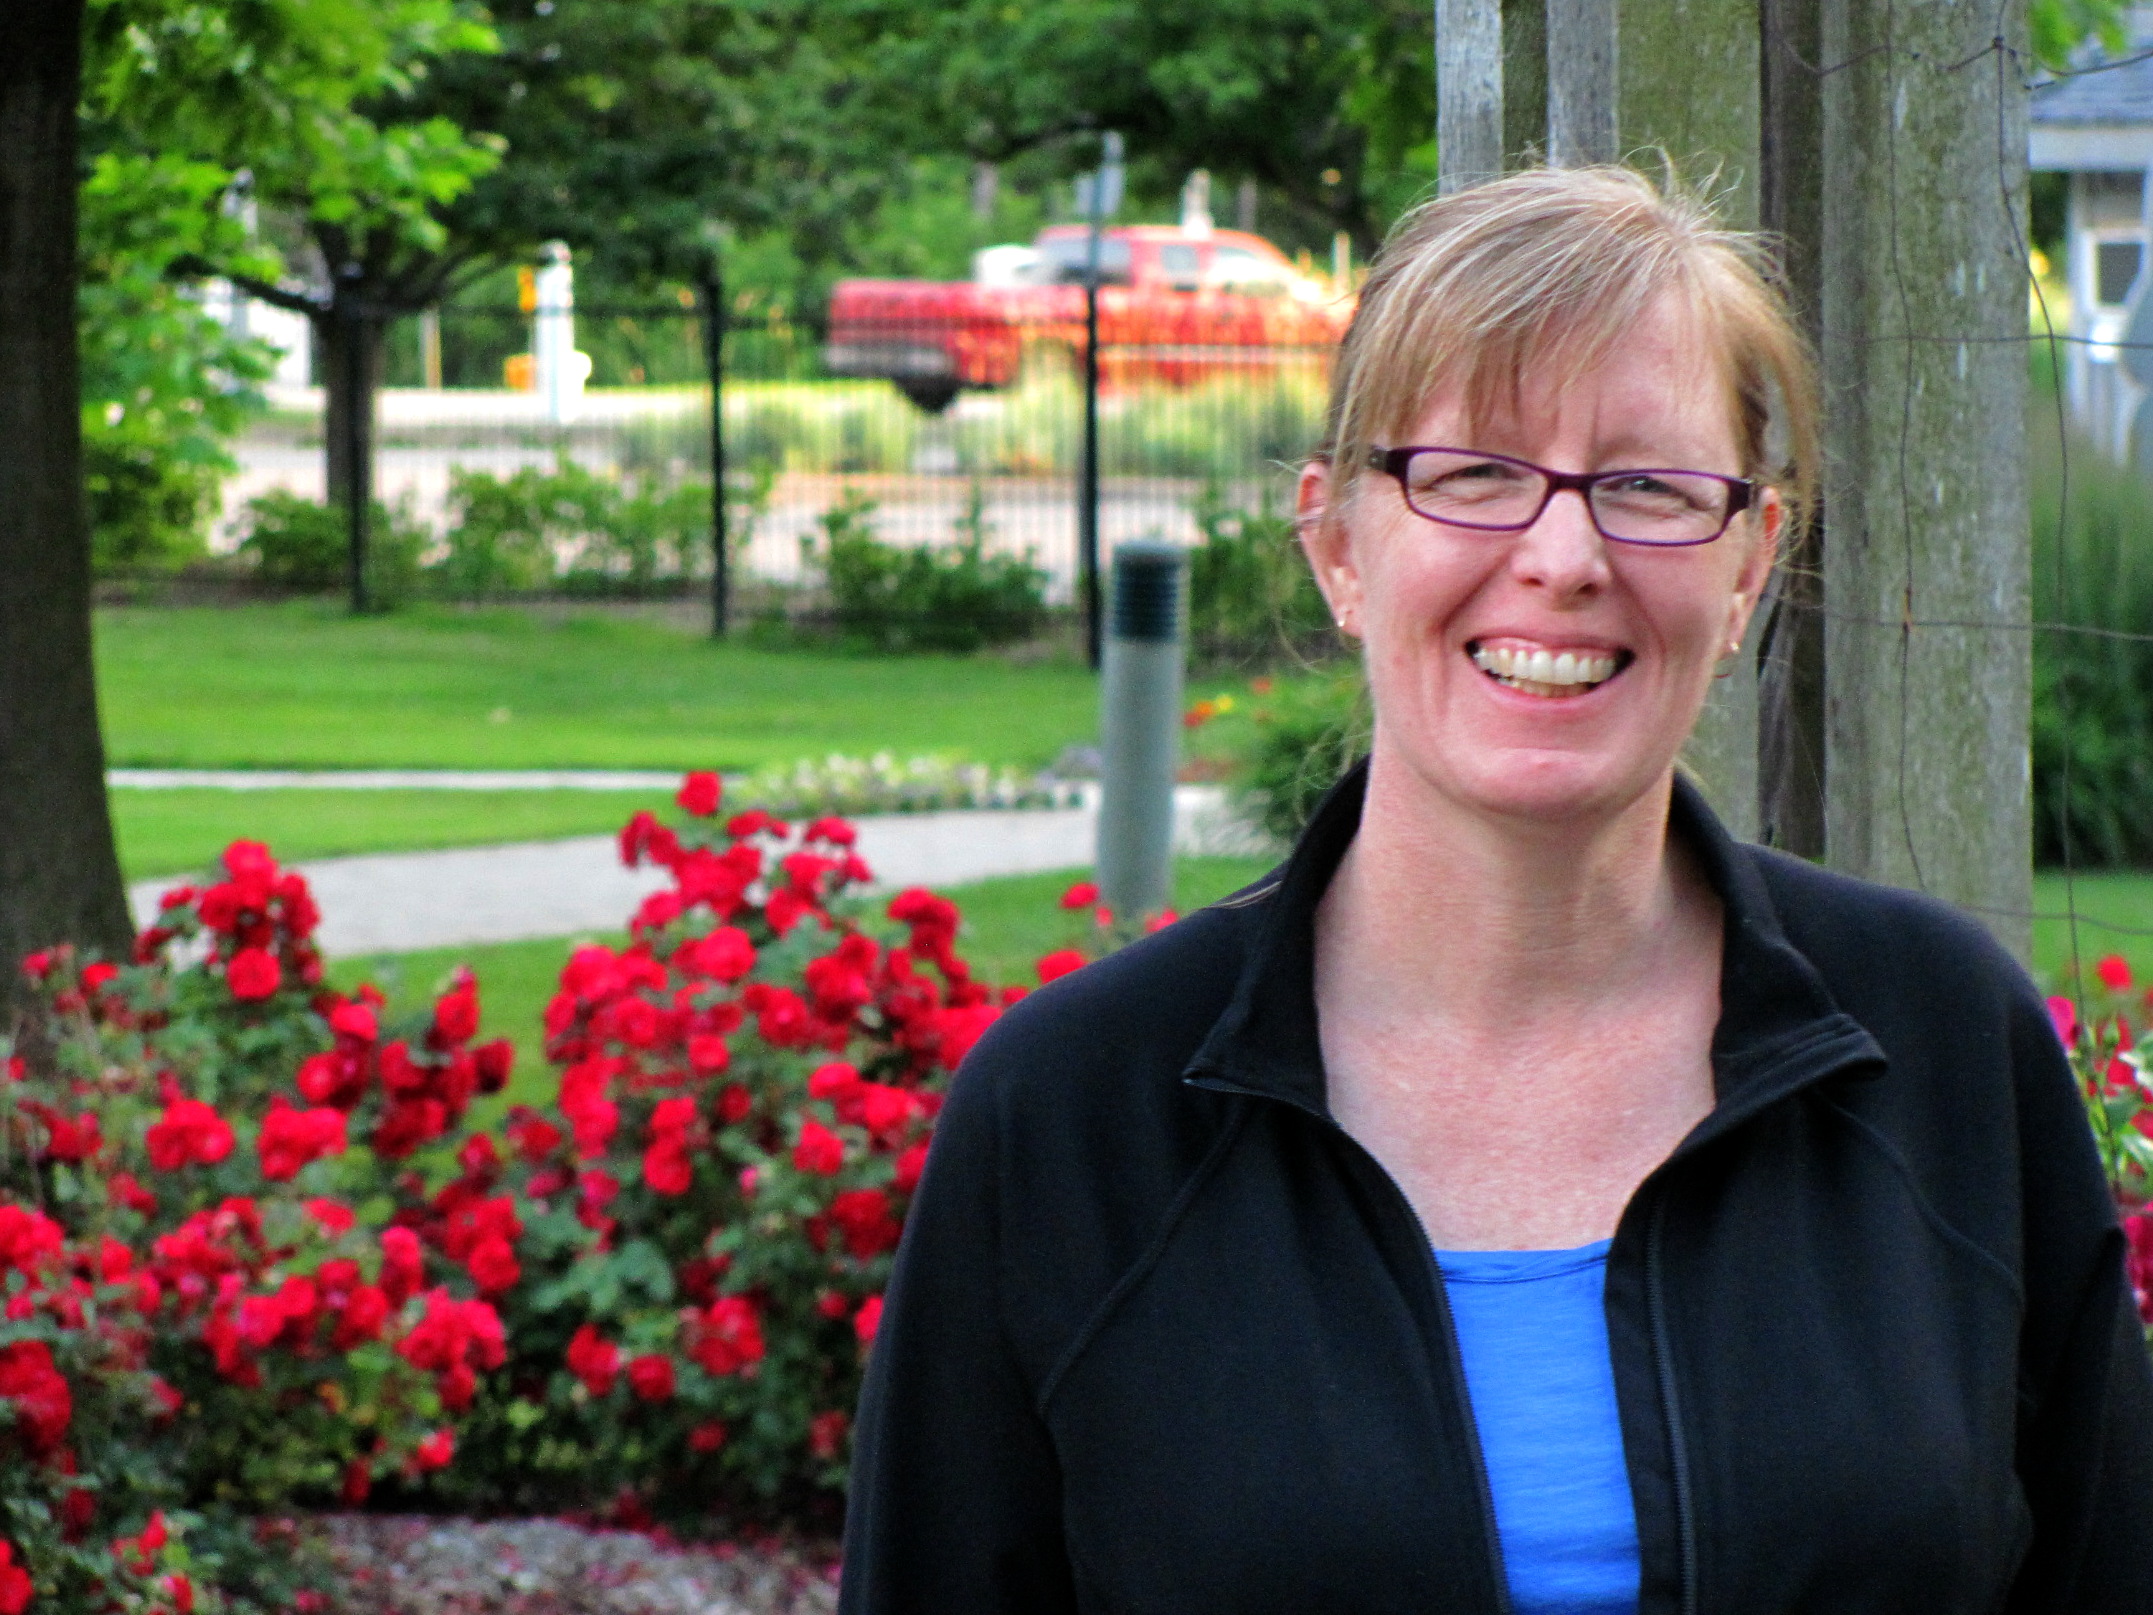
(1323, 540)
(1756, 573)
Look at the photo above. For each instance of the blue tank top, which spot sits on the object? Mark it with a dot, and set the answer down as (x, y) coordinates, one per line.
(1532, 1330)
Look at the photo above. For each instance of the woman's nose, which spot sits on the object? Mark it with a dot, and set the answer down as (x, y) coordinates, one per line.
(1562, 551)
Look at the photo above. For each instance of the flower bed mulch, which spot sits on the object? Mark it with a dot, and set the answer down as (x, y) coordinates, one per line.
(425, 1565)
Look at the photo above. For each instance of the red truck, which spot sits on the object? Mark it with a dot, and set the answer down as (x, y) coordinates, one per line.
(1175, 305)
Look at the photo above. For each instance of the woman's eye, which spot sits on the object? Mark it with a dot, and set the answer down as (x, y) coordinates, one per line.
(1473, 480)
(1644, 487)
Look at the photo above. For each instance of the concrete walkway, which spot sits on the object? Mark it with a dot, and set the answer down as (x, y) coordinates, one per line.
(399, 902)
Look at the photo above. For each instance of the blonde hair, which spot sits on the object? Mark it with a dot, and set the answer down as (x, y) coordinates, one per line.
(1542, 273)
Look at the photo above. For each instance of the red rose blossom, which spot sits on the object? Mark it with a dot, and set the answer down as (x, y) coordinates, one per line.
(826, 1433)
(594, 1360)
(727, 1337)
(909, 1166)
(44, 1406)
(190, 1133)
(16, 1587)
(456, 1011)
(700, 794)
(650, 1377)
(819, 1151)
(1061, 962)
(493, 1266)
(253, 974)
(292, 1139)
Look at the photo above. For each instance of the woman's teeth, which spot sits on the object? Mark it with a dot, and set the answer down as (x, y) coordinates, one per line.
(1542, 672)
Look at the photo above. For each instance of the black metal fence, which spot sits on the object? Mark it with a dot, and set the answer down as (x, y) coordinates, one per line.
(493, 480)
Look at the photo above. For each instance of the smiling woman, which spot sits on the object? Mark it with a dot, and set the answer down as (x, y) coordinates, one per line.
(1527, 1198)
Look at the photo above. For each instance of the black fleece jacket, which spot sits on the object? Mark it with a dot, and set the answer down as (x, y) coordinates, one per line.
(1164, 1340)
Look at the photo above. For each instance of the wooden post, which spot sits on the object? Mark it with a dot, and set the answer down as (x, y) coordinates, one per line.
(1790, 642)
(1468, 92)
(1581, 82)
(1687, 78)
(1524, 42)
(1924, 321)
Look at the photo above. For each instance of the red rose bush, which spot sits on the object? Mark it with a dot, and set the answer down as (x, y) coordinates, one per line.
(214, 1304)
(745, 1096)
(2115, 1077)
(256, 1255)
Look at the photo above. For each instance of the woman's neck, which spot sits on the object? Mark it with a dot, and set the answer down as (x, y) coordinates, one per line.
(1517, 920)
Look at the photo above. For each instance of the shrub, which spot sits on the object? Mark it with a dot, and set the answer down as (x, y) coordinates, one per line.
(955, 598)
(214, 1307)
(1250, 592)
(711, 1200)
(571, 525)
(2093, 692)
(299, 543)
(148, 499)
(886, 784)
(164, 384)
(2115, 1078)
(1288, 743)
(252, 1255)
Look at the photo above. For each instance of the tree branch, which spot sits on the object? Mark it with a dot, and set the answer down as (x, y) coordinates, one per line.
(190, 267)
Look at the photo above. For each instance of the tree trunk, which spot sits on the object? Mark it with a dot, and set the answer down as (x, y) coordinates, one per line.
(59, 871)
(338, 330)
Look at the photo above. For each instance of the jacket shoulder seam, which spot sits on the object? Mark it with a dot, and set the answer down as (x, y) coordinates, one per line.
(1935, 1219)
(1142, 1266)
(1247, 899)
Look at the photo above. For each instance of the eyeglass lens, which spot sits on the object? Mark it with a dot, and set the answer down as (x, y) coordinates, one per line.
(1641, 507)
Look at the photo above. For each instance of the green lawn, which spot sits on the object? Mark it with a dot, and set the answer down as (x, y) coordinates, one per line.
(302, 684)
(166, 833)
(2115, 915)
(1008, 924)
(178, 832)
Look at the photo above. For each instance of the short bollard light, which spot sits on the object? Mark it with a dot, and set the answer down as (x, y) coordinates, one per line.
(1140, 729)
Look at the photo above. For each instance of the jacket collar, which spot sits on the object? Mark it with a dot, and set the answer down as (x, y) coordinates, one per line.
(1778, 1031)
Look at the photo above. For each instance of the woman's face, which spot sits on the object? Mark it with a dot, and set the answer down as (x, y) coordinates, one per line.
(1445, 612)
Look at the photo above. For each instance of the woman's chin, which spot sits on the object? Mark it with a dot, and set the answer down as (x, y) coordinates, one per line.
(1549, 787)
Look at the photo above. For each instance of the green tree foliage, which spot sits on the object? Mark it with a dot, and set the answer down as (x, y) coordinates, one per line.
(193, 112)
(1329, 108)
(2059, 27)
(163, 383)
(639, 132)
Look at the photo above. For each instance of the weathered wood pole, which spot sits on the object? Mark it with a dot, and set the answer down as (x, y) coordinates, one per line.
(1468, 92)
(1924, 320)
(1688, 83)
(1790, 642)
(1582, 85)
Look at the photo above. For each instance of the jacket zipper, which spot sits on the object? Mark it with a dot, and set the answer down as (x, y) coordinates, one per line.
(1459, 1386)
(1455, 1362)
(1670, 1403)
